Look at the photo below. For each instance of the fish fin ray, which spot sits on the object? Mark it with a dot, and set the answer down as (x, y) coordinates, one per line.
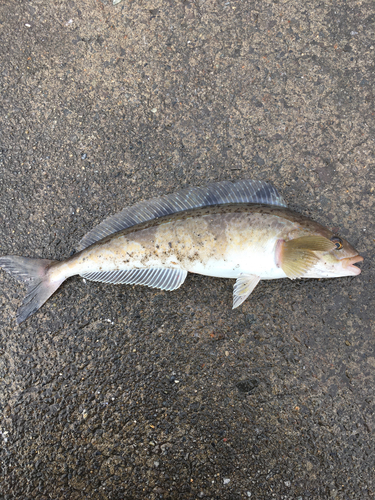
(313, 243)
(295, 262)
(219, 193)
(34, 273)
(243, 287)
(165, 279)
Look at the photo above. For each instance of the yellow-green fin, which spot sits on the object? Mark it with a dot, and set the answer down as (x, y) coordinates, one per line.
(297, 256)
(314, 243)
(295, 263)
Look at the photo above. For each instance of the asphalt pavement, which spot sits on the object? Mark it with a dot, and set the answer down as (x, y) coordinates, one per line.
(125, 392)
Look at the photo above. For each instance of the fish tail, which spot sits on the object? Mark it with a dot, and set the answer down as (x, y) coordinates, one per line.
(35, 274)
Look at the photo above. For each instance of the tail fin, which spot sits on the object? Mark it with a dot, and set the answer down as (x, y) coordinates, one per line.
(33, 272)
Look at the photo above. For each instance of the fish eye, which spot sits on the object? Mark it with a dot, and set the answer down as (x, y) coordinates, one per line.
(337, 242)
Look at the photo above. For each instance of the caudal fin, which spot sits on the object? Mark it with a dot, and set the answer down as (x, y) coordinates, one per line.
(33, 272)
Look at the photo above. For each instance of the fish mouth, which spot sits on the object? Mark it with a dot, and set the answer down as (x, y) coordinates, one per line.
(349, 262)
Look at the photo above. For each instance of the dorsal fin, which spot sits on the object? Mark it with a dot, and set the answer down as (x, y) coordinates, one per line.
(218, 193)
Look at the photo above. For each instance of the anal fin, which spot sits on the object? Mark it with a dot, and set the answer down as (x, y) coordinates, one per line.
(165, 279)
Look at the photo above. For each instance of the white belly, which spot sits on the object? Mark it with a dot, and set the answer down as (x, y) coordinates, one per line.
(254, 261)
(228, 269)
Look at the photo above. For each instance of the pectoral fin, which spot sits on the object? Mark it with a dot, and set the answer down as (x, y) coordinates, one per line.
(296, 257)
(243, 287)
(314, 243)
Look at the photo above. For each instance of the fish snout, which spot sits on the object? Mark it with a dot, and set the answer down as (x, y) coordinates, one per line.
(348, 264)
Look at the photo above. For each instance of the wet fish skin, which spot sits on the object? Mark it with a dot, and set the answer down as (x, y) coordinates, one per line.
(248, 242)
(212, 241)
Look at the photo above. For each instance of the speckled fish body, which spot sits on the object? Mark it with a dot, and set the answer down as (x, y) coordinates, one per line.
(245, 241)
(222, 241)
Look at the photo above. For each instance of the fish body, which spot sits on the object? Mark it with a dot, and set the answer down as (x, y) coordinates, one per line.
(241, 239)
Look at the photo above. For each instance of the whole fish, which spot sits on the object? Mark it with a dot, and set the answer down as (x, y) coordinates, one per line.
(241, 230)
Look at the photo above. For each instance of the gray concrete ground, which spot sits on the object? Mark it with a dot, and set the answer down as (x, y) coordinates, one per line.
(120, 392)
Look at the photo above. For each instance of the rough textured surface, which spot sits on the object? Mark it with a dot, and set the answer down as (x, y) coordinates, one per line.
(126, 392)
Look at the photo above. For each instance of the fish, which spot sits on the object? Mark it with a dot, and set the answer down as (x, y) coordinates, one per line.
(241, 230)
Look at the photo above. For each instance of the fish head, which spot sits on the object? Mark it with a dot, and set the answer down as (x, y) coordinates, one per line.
(339, 261)
(316, 252)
